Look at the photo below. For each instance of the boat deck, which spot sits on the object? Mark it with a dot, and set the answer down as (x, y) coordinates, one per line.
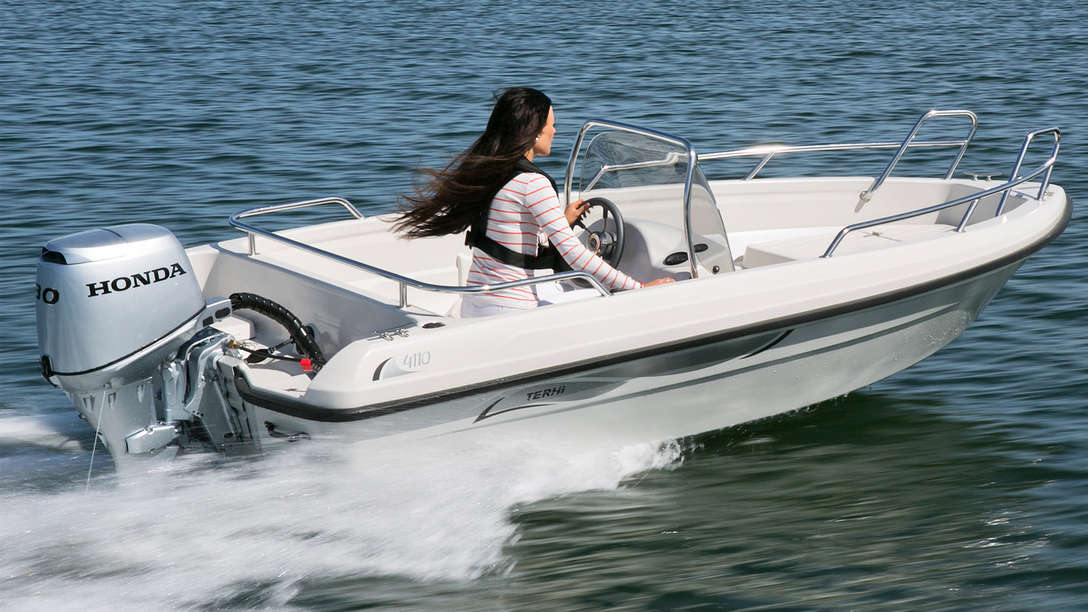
(810, 243)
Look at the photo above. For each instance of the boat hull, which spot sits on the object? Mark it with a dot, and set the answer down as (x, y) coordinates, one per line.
(707, 384)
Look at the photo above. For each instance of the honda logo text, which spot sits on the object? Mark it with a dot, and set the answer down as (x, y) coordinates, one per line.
(124, 283)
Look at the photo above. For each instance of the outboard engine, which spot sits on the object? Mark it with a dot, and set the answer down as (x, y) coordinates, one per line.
(123, 329)
(107, 293)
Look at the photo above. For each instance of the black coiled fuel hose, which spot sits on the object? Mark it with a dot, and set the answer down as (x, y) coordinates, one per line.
(304, 341)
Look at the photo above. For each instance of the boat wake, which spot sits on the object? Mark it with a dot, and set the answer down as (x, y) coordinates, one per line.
(198, 531)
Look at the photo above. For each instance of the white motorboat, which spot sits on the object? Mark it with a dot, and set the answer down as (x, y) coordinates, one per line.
(790, 291)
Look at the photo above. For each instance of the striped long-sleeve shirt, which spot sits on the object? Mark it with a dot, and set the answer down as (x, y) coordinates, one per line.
(526, 214)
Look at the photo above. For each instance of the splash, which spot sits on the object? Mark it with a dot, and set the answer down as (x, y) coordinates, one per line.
(197, 531)
(48, 432)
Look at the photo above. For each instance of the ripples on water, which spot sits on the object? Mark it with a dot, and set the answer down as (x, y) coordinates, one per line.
(957, 483)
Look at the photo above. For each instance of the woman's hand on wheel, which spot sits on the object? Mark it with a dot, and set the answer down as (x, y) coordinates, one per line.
(659, 281)
(574, 212)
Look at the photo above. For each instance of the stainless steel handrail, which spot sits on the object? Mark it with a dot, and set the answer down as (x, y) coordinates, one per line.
(403, 282)
(265, 210)
(867, 195)
(1005, 187)
(767, 152)
(1057, 133)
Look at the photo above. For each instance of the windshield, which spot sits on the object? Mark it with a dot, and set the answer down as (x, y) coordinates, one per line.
(648, 175)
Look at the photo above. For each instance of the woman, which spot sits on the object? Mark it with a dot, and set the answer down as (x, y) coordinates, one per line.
(510, 207)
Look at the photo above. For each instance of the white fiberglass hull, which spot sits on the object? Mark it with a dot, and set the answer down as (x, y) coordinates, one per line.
(709, 385)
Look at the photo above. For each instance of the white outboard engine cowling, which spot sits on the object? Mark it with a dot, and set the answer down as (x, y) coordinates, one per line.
(124, 328)
(107, 293)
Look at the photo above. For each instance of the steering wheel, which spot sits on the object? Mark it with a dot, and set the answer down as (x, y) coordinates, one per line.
(605, 244)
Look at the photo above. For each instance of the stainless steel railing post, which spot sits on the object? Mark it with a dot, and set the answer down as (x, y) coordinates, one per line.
(1020, 160)
(867, 195)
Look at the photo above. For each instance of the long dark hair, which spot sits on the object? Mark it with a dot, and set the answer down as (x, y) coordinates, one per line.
(453, 197)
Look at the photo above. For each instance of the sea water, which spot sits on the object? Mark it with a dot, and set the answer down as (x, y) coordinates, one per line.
(958, 483)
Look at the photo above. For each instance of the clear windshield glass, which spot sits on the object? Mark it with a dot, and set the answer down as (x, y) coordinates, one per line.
(621, 159)
(641, 171)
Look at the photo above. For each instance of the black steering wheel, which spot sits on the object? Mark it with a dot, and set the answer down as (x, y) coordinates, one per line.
(608, 245)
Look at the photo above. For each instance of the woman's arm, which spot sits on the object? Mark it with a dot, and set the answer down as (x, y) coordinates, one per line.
(543, 204)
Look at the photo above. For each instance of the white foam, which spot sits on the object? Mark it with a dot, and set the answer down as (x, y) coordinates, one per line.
(191, 534)
(48, 431)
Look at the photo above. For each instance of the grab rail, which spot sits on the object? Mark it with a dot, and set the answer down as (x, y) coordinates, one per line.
(770, 150)
(974, 198)
(403, 282)
(265, 210)
(767, 152)
(867, 195)
(1020, 159)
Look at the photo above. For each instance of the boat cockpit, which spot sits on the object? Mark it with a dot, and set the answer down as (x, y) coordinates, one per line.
(659, 216)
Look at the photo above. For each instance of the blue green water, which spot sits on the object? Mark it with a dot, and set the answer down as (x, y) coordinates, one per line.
(961, 483)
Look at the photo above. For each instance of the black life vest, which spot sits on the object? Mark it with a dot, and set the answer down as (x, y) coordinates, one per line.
(547, 257)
